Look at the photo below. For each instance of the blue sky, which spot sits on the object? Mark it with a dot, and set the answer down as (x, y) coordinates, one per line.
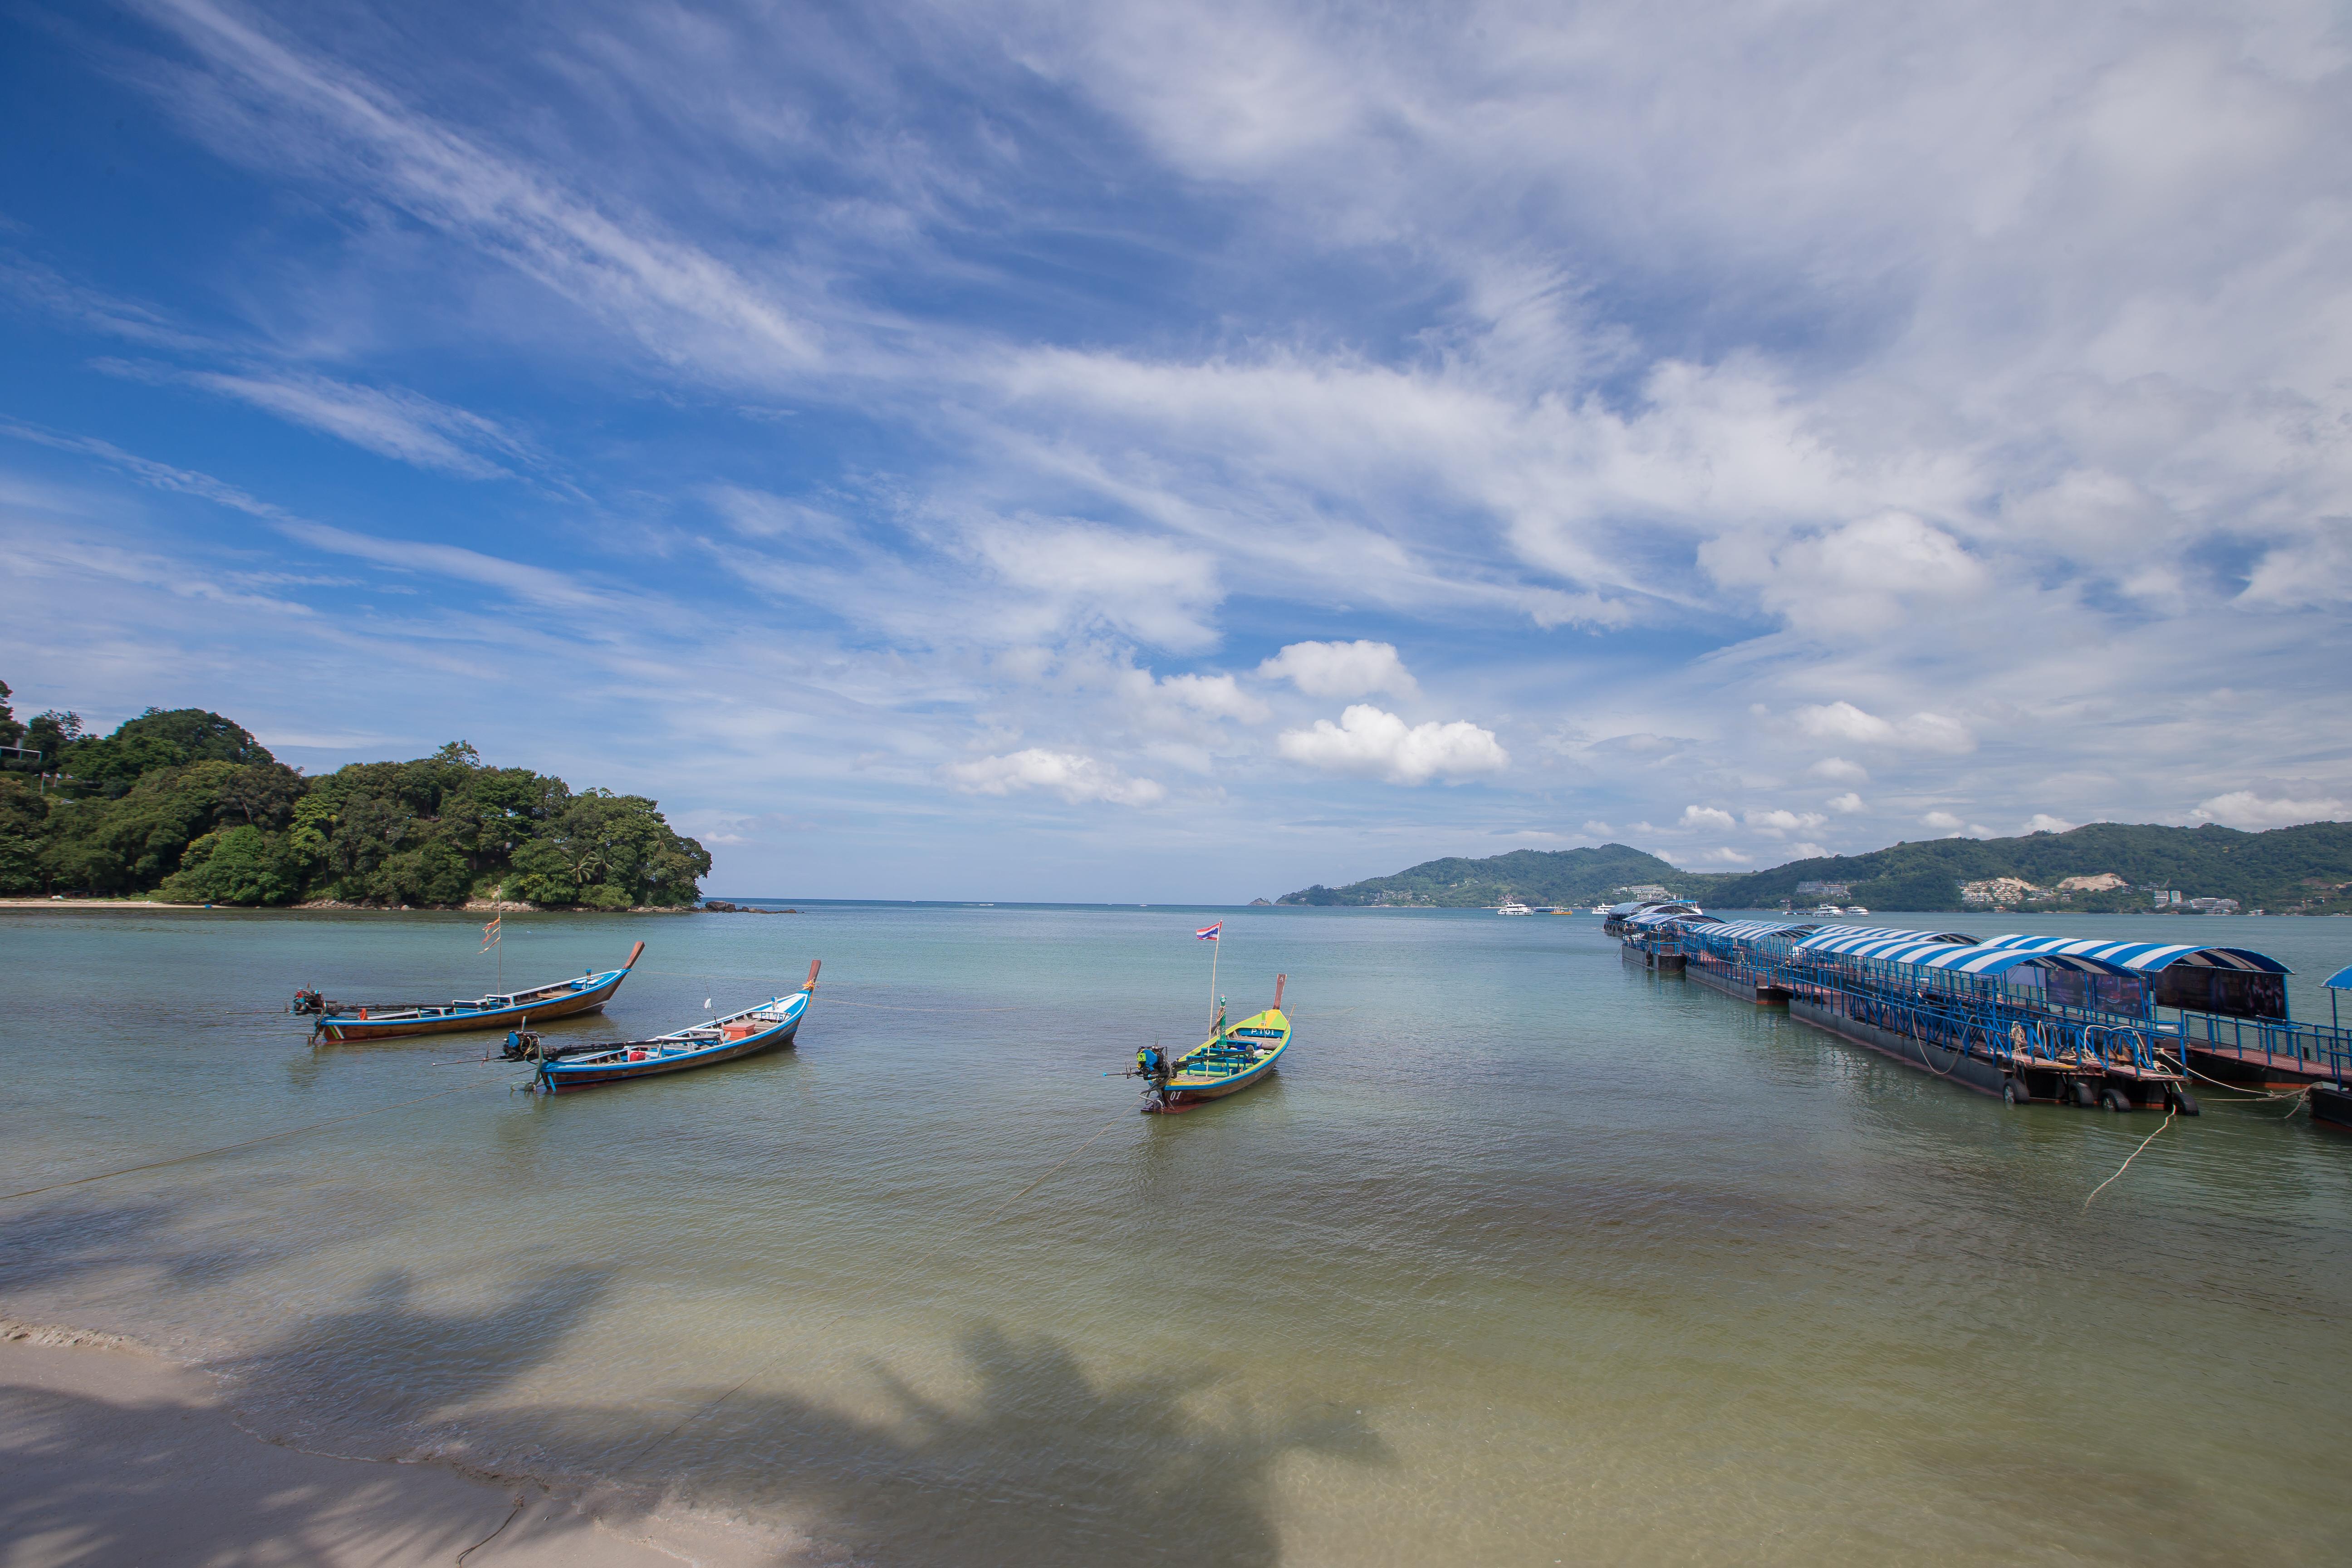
(1184, 452)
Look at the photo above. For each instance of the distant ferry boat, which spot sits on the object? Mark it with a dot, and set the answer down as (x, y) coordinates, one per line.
(1515, 909)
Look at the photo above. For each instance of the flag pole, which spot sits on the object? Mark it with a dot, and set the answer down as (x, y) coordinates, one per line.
(1215, 944)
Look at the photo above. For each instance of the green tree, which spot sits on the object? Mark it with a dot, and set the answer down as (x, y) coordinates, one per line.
(9, 728)
(157, 739)
(24, 824)
(51, 732)
(240, 865)
(609, 851)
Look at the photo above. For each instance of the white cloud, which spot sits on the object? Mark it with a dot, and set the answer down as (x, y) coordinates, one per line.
(1930, 733)
(1722, 857)
(1149, 587)
(391, 422)
(1944, 823)
(1781, 821)
(2043, 822)
(1218, 695)
(1837, 770)
(1341, 669)
(1860, 576)
(1806, 849)
(1075, 778)
(1379, 744)
(1709, 817)
(1847, 803)
(2245, 808)
(1598, 829)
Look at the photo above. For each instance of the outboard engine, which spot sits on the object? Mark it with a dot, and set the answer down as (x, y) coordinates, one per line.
(522, 1046)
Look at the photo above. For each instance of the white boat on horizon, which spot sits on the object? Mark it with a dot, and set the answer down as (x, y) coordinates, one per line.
(1515, 909)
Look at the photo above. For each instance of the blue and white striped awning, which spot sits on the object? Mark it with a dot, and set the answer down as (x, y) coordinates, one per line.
(1658, 918)
(1750, 931)
(1860, 940)
(2146, 957)
(1921, 951)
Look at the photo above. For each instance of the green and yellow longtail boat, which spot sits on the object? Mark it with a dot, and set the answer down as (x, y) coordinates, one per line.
(1230, 1059)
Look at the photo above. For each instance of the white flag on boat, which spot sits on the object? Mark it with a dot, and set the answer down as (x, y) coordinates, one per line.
(1209, 933)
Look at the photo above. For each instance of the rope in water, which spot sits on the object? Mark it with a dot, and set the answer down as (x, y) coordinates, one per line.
(225, 1148)
(2127, 1160)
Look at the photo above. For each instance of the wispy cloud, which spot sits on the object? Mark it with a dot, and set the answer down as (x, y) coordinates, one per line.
(397, 424)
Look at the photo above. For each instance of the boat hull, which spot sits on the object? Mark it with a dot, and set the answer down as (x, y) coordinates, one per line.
(589, 999)
(1185, 1089)
(561, 1079)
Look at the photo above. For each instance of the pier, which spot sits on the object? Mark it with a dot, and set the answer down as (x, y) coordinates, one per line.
(2023, 1019)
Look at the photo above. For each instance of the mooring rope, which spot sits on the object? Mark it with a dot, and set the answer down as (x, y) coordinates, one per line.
(225, 1148)
(2127, 1160)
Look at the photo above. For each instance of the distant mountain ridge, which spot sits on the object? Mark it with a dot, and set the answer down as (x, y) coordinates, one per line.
(2304, 870)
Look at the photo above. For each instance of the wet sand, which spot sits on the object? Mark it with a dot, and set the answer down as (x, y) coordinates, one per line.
(116, 1456)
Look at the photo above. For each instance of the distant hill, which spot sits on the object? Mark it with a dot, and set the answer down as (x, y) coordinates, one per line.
(1532, 876)
(2303, 869)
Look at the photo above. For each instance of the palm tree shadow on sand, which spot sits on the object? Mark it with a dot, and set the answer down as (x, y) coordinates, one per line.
(1045, 1465)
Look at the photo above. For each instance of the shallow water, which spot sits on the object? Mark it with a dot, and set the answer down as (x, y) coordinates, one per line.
(1524, 1257)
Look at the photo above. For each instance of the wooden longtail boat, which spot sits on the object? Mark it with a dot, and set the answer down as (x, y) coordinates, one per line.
(770, 1023)
(1235, 1057)
(384, 1021)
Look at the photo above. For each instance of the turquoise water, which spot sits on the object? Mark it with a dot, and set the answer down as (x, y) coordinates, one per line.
(1524, 1257)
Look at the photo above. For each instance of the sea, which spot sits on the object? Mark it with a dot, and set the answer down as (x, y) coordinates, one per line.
(1526, 1257)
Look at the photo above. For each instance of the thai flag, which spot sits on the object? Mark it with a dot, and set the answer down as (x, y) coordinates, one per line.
(1209, 933)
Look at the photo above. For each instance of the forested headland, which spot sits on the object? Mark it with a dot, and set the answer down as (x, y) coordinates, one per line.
(187, 805)
(2303, 870)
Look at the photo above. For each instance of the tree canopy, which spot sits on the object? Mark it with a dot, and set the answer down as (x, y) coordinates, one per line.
(188, 805)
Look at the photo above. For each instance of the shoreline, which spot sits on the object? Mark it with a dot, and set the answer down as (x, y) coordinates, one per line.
(328, 906)
(117, 1453)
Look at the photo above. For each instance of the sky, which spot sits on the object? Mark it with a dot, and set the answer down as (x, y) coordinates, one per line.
(1186, 452)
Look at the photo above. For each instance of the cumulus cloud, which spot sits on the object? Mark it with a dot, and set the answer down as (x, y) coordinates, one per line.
(1075, 778)
(2245, 808)
(1709, 817)
(1806, 849)
(1598, 828)
(1837, 770)
(1378, 744)
(1724, 856)
(1943, 822)
(1846, 804)
(2043, 822)
(1930, 733)
(1341, 669)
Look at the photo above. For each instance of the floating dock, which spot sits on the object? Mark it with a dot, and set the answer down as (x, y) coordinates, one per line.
(2023, 1019)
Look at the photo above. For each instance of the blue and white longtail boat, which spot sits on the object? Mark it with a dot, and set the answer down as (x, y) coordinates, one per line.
(1230, 1059)
(384, 1021)
(770, 1025)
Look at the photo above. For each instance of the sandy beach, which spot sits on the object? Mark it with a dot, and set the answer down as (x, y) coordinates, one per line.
(117, 1457)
